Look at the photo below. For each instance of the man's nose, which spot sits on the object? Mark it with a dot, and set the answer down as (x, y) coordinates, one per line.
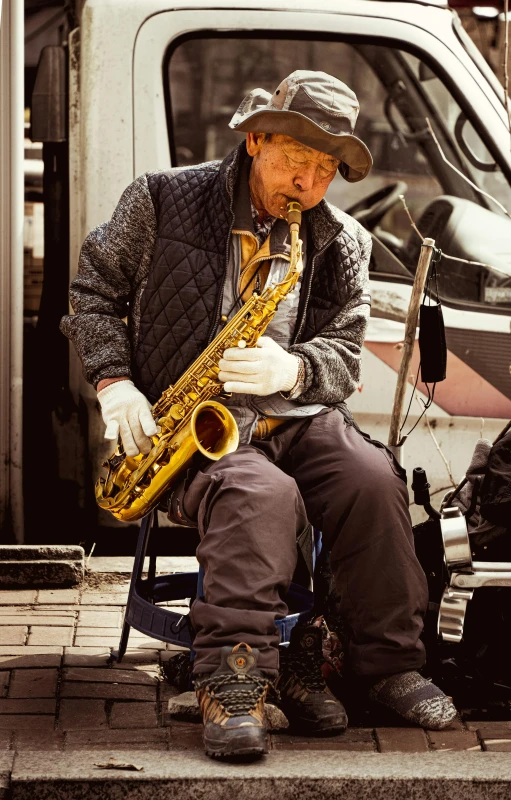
(304, 179)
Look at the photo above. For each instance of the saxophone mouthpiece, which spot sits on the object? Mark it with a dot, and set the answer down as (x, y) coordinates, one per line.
(294, 215)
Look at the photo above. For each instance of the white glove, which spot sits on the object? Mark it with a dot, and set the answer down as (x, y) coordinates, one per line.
(125, 409)
(261, 370)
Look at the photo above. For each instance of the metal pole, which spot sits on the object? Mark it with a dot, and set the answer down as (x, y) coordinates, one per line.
(4, 267)
(412, 317)
(11, 262)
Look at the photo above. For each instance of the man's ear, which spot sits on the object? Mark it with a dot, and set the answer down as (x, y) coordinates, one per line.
(255, 142)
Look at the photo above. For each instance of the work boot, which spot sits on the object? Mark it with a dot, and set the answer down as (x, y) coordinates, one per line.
(231, 701)
(306, 700)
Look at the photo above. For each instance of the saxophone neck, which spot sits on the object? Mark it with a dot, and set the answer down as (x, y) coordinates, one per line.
(294, 220)
(296, 259)
(294, 215)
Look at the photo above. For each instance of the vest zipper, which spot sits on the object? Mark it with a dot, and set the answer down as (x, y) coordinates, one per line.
(309, 287)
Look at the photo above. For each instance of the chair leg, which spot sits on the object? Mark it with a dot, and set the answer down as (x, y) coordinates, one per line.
(138, 568)
(123, 643)
(151, 572)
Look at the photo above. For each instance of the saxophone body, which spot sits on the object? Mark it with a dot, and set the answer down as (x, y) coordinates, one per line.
(188, 417)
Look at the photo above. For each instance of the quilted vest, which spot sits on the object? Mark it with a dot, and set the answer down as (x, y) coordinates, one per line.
(180, 304)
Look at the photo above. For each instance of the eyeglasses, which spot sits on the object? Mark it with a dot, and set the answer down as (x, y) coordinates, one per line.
(297, 160)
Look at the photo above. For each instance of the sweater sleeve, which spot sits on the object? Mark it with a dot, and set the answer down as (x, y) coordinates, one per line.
(109, 269)
(333, 359)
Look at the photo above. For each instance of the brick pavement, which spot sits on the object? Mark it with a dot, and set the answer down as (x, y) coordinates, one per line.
(58, 691)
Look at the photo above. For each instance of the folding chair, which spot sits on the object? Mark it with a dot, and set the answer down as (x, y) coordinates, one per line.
(146, 610)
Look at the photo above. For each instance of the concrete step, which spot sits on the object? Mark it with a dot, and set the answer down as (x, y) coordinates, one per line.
(6, 761)
(124, 564)
(315, 774)
(41, 565)
(65, 565)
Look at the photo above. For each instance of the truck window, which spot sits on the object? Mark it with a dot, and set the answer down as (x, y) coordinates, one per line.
(207, 78)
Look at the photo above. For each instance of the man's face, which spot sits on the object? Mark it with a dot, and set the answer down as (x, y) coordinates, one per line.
(283, 170)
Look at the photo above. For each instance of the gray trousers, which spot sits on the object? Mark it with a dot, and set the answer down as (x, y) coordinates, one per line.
(250, 507)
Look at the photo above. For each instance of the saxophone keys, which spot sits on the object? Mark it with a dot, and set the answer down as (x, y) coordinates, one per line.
(176, 411)
(242, 343)
(166, 424)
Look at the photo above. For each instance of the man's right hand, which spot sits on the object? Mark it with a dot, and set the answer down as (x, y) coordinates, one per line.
(126, 411)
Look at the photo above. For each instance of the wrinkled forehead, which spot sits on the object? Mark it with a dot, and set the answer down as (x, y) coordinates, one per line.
(293, 147)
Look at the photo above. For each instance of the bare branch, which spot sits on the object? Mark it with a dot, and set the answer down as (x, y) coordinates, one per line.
(412, 222)
(476, 264)
(460, 173)
(430, 429)
(89, 556)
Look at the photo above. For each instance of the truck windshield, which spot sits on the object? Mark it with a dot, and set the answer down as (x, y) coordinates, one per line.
(398, 93)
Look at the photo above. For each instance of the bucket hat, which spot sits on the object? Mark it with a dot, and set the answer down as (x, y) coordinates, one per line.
(317, 110)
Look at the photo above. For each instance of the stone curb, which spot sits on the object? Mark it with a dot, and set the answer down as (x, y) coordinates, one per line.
(6, 762)
(43, 552)
(315, 774)
(45, 565)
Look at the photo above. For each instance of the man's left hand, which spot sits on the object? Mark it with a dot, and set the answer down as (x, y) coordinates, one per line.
(261, 370)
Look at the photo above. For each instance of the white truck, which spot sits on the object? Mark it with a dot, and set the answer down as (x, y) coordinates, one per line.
(149, 84)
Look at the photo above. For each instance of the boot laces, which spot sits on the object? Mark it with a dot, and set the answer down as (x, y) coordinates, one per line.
(229, 691)
(306, 666)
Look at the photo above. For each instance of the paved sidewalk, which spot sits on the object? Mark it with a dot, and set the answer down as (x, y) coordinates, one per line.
(58, 693)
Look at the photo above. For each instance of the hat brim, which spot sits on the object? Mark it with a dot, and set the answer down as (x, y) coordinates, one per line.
(354, 155)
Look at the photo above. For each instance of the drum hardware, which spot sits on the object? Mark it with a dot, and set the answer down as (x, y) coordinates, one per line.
(451, 615)
(464, 575)
(458, 555)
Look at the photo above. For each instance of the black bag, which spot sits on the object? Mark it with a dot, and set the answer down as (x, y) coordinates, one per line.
(432, 344)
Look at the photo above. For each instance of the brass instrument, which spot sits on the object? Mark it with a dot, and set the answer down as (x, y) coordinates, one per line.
(188, 420)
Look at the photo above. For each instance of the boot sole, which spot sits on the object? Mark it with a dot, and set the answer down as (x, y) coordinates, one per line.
(245, 746)
(240, 753)
(305, 727)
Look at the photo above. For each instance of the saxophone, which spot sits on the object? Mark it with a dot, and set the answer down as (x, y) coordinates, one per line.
(188, 419)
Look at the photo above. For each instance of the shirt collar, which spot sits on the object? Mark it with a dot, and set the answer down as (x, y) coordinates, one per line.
(261, 229)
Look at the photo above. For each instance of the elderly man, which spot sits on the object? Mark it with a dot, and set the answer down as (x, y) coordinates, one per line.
(181, 253)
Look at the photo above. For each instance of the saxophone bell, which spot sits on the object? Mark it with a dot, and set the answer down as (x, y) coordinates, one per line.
(214, 430)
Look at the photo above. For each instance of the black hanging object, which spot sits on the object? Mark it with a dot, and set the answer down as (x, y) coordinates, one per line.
(433, 350)
(432, 344)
